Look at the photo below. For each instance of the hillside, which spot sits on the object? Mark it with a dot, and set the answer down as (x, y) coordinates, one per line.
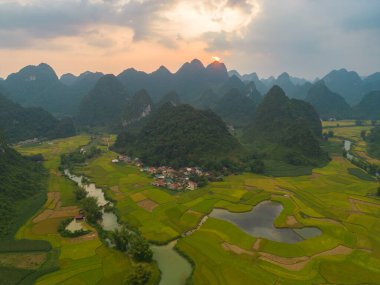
(39, 86)
(104, 105)
(373, 140)
(286, 129)
(181, 136)
(22, 189)
(19, 123)
(236, 108)
(137, 107)
(327, 103)
(369, 107)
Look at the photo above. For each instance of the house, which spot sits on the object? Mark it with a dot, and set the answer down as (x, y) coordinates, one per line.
(191, 185)
(115, 160)
(159, 183)
(79, 218)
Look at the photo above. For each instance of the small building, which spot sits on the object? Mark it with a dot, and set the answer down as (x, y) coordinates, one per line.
(191, 185)
(79, 218)
(115, 160)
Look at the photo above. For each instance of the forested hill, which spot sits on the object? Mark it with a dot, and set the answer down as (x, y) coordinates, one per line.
(22, 189)
(287, 129)
(181, 136)
(19, 123)
(327, 103)
(373, 140)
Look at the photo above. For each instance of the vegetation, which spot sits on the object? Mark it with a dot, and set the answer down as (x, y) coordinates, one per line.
(22, 189)
(104, 104)
(19, 123)
(78, 156)
(288, 130)
(181, 136)
(91, 209)
(369, 106)
(373, 140)
(140, 276)
(327, 103)
(66, 233)
(128, 240)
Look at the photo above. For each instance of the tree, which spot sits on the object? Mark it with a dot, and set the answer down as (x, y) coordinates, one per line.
(363, 134)
(140, 276)
(80, 193)
(373, 122)
(139, 248)
(358, 122)
(91, 209)
(378, 192)
(121, 237)
(257, 166)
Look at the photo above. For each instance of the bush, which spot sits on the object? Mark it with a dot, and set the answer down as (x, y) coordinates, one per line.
(140, 276)
(65, 233)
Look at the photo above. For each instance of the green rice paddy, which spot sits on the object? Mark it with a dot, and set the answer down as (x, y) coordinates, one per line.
(338, 199)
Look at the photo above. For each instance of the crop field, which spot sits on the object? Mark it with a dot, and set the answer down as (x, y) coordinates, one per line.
(338, 199)
(81, 260)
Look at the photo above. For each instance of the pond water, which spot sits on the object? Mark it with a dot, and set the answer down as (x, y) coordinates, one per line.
(175, 269)
(74, 226)
(259, 222)
(109, 219)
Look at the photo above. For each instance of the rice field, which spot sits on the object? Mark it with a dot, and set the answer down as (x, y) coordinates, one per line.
(341, 204)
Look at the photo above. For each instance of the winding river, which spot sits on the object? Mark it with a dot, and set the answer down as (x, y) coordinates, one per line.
(175, 269)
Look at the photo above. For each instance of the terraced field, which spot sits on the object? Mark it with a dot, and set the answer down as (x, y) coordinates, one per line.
(82, 260)
(340, 204)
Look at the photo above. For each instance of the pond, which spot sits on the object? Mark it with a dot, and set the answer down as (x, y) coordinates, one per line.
(175, 269)
(259, 222)
(109, 219)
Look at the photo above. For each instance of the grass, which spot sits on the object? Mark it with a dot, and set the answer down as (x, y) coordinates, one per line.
(81, 261)
(335, 198)
(319, 198)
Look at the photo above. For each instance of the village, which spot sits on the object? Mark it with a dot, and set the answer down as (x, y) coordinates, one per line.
(166, 177)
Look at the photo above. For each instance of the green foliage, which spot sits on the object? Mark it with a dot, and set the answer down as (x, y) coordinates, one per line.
(373, 139)
(257, 166)
(327, 103)
(181, 136)
(287, 130)
(369, 106)
(139, 248)
(21, 123)
(92, 210)
(378, 192)
(21, 180)
(129, 240)
(78, 156)
(104, 104)
(80, 193)
(236, 108)
(359, 173)
(65, 233)
(24, 245)
(139, 276)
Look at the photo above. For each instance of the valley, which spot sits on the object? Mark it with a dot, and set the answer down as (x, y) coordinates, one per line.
(341, 206)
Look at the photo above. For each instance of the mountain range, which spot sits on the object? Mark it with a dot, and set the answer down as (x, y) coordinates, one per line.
(202, 86)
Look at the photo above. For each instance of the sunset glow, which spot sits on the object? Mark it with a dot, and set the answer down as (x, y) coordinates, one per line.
(215, 58)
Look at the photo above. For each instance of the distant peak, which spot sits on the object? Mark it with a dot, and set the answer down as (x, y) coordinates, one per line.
(196, 62)
(216, 65)
(284, 75)
(162, 69)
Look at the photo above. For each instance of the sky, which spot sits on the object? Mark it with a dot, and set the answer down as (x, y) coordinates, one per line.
(306, 38)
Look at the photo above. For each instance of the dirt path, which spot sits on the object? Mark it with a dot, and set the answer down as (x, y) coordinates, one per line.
(289, 263)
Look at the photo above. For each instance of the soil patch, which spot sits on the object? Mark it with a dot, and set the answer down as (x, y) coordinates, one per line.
(148, 205)
(31, 260)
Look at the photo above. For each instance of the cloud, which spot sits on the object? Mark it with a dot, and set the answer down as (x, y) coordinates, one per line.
(270, 36)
